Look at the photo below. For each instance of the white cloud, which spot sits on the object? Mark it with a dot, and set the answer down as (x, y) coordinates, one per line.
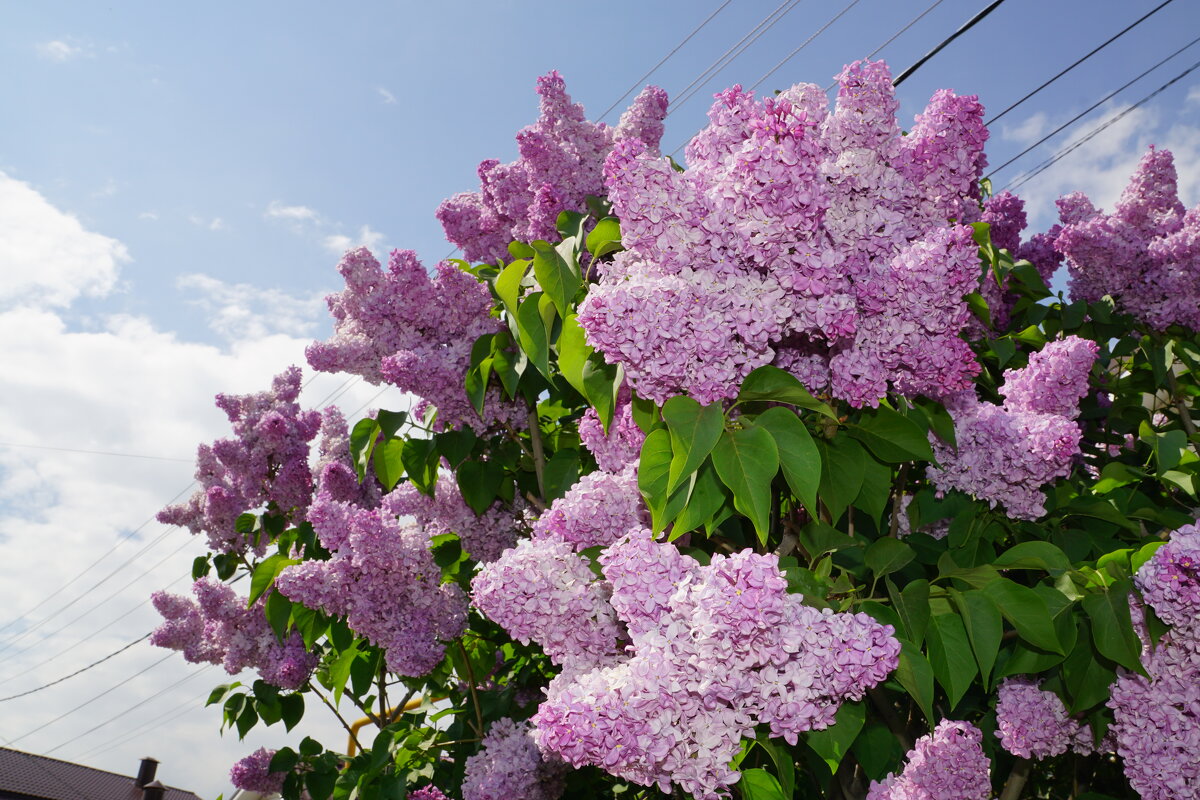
(214, 224)
(109, 189)
(339, 243)
(240, 311)
(388, 97)
(58, 50)
(64, 260)
(277, 210)
(148, 215)
(1029, 130)
(1193, 96)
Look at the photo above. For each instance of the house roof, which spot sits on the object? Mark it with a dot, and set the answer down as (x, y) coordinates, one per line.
(28, 775)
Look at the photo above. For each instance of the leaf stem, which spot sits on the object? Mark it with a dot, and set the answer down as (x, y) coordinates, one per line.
(338, 714)
(471, 686)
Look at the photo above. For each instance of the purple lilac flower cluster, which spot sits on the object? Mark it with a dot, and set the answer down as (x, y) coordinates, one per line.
(822, 242)
(599, 509)
(266, 464)
(1005, 213)
(430, 792)
(716, 650)
(1146, 254)
(383, 578)
(484, 537)
(1006, 453)
(1035, 724)
(947, 764)
(415, 332)
(559, 166)
(1157, 716)
(509, 766)
(253, 774)
(623, 442)
(335, 473)
(218, 628)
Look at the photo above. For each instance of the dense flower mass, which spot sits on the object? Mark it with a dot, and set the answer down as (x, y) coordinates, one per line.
(509, 767)
(791, 239)
(382, 577)
(1005, 214)
(218, 628)
(1146, 254)
(1032, 723)
(620, 446)
(715, 651)
(412, 331)
(599, 509)
(1006, 453)
(1170, 580)
(266, 464)
(559, 166)
(483, 536)
(253, 774)
(947, 764)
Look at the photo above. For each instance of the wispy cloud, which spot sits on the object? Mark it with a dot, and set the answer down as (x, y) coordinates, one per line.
(58, 50)
(277, 210)
(214, 224)
(339, 243)
(388, 97)
(148, 215)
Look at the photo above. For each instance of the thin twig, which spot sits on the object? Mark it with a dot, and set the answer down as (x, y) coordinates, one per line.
(471, 686)
(539, 455)
(338, 714)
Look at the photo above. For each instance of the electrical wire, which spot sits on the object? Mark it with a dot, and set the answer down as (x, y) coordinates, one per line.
(76, 672)
(93, 452)
(966, 26)
(1093, 52)
(663, 60)
(1092, 107)
(804, 44)
(1072, 148)
(162, 718)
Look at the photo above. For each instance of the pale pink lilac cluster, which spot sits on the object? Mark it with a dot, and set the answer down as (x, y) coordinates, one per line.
(620, 446)
(253, 774)
(1006, 453)
(599, 509)
(383, 579)
(559, 166)
(509, 766)
(1157, 717)
(405, 328)
(947, 764)
(484, 536)
(218, 628)
(1145, 254)
(266, 464)
(1005, 213)
(715, 650)
(1033, 723)
(825, 243)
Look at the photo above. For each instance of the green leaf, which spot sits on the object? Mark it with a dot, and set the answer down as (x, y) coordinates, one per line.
(798, 453)
(1086, 678)
(876, 490)
(390, 421)
(558, 278)
(339, 670)
(878, 751)
(479, 483)
(984, 625)
(605, 237)
(834, 742)
(758, 784)
(531, 331)
(389, 463)
(573, 352)
(601, 383)
(1168, 450)
(912, 605)
(892, 437)
(694, 429)
(950, 655)
(1112, 626)
(888, 555)
(781, 756)
(653, 473)
(560, 473)
(746, 462)
(508, 284)
(419, 458)
(265, 573)
(1034, 555)
(455, 445)
(940, 421)
(279, 612)
(362, 441)
(843, 462)
(1026, 611)
(916, 676)
(772, 384)
(705, 499)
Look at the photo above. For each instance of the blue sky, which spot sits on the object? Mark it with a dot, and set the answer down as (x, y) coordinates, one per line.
(177, 180)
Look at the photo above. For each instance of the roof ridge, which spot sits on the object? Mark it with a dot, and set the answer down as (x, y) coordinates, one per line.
(77, 765)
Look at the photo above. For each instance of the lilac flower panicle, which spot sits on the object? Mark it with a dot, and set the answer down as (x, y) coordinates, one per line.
(620, 446)
(253, 774)
(265, 464)
(1033, 723)
(947, 764)
(430, 792)
(599, 509)
(509, 766)
(1055, 380)
(1170, 580)
(484, 537)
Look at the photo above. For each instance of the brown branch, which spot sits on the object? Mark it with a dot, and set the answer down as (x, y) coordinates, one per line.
(539, 455)
(471, 686)
(1016, 780)
(338, 714)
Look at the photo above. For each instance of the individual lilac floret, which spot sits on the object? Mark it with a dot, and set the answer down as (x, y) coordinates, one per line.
(1006, 453)
(599, 509)
(620, 446)
(509, 766)
(266, 464)
(559, 166)
(1170, 580)
(253, 774)
(383, 578)
(542, 591)
(1146, 254)
(219, 629)
(1033, 723)
(947, 764)
(483, 536)
(415, 332)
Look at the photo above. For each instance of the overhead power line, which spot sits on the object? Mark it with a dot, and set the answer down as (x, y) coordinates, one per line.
(76, 672)
(93, 452)
(1093, 52)
(1092, 107)
(966, 26)
(1072, 148)
(663, 60)
(804, 44)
